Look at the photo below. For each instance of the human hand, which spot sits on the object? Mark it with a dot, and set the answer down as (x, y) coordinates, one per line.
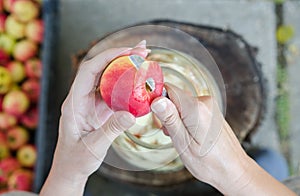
(87, 126)
(208, 147)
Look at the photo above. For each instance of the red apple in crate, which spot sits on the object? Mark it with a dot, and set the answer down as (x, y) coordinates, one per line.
(24, 50)
(5, 80)
(33, 68)
(4, 150)
(17, 71)
(15, 102)
(25, 10)
(1, 6)
(2, 22)
(21, 179)
(32, 89)
(17, 137)
(7, 167)
(4, 57)
(35, 30)
(7, 5)
(27, 155)
(31, 118)
(7, 121)
(7, 43)
(14, 27)
(123, 86)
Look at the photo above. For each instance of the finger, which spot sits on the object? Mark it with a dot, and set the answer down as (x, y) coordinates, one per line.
(117, 124)
(99, 62)
(90, 71)
(189, 110)
(201, 117)
(166, 111)
(98, 141)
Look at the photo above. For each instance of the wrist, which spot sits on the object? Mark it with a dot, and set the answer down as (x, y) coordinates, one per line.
(60, 183)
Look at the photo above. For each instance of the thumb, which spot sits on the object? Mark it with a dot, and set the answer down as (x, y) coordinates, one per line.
(100, 140)
(167, 113)
(117, 123)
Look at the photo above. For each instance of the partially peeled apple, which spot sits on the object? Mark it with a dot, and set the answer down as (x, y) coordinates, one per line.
(131, 83)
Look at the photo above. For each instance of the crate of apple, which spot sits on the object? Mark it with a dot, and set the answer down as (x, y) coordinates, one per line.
(21, 36)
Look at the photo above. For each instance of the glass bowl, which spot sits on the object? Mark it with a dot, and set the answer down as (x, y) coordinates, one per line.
(186, 64)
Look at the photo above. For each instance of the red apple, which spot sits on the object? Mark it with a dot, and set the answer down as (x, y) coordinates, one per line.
(31, 118)
(123, 86)
(2, 137)
(1, 6)
(15, 102)
(7, 5)
(27, 155)
(7, 167)
(33, 68)
(32, 89)
(24, 50)
(5, 80)
(7, 121)
(25, 10)
(35, 30)
(14, 27)
(17, 71)
(20, 179)
(2, 22)
(17, 137)
(7, 43)
(4, 57)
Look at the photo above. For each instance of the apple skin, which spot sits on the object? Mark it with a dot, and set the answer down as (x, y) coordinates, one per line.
(20, 179)
(7, 5)
(33, 68)
(7, 167)
(123, 87)
(4, 57)
(1, 6)
(5, 80)
(27, 155)
(24, 50)
(32, 89)
(17, 71)
(31, 118)
(4, 151)
(7, 121)
(7, 43)
(25, 10)
(2, 22)
(14, 27)
(17, 137)
(35, 30)
(15, 102)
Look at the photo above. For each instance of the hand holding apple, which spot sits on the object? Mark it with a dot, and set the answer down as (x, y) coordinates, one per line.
(87, 126)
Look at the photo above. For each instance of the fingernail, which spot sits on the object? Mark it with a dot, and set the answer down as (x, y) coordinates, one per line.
(127, 120)
(159, 106)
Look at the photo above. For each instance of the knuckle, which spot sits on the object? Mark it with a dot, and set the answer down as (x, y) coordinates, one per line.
(170, 119)
(114, 126)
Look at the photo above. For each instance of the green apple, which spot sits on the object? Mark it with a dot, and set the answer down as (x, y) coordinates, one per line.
(14, 27)
(7, 42)
(5, 80)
